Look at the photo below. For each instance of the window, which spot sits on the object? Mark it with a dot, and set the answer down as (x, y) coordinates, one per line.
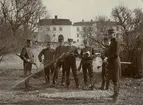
(78, 35)
(84, 28)
(48, 28)
(54, 28)
(34, 36)
(77, 40)
(60, 28)
(117, 28)
(54, 35)
(77, 28)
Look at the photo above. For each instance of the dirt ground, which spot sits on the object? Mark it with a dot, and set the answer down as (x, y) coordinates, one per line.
(131, 91)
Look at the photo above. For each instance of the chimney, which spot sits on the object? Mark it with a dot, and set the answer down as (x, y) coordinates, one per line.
(56, 17)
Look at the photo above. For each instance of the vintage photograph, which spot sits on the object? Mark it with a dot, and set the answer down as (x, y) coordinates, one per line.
(71, 52)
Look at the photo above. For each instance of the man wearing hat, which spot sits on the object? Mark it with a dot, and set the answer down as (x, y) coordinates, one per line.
(28, 58)
(60, 50)
(114, 64)
(87, 54)
(70, 63)
(48, 54)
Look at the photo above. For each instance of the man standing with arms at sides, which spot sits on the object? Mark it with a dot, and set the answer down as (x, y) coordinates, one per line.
(28, 58)
(70, 63)
(114, 64)
(104, 72)
(48, 54)
(137, 59)
(87, 54)
(60, 50)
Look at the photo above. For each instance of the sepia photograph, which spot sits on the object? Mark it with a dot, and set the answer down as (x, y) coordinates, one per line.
(71, 52)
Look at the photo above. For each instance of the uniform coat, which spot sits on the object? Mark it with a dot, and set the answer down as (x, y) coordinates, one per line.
(27, 54)
(114, 60)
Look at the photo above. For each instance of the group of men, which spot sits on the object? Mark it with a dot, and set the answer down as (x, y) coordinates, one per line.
(65, 57)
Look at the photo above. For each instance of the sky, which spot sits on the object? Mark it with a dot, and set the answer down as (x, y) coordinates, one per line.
(77, 10)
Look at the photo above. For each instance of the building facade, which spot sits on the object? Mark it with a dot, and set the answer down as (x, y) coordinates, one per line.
(50, 29)
(80, 31)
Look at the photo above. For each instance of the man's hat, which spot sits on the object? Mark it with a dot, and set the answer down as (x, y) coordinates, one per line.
(60, 37)
(85, 41)
(70, 40)
(48, 42)
(105, 39)
(28, 40)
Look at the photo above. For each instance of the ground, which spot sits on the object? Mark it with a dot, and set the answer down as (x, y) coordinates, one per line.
(131, 90)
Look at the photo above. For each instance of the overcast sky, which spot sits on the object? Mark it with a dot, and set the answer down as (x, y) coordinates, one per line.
(76, 10)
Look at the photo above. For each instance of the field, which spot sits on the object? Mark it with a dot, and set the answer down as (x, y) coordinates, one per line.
(131, 90)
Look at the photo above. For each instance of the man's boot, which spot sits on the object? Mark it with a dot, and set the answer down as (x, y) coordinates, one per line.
(102, 85)
(107, 84)
(116, 92)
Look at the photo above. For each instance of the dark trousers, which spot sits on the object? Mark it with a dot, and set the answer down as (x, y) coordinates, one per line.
(70, 64)
(60, 64)
(87, 70)
(27, 71)
(104, 73)
(114, 71)
(116, 86)
(27, 68)
(48, 71)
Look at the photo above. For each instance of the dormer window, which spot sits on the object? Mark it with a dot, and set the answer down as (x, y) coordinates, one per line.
(77, 28)
(54, 28)
(48, 28)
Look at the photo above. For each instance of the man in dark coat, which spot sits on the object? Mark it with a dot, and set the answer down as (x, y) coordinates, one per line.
(60, 50)
(87, 54)
(48, 54)
(28, 58)
(114, 64)
(70, 63)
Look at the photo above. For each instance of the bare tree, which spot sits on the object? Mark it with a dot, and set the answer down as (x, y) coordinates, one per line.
(20, 18)
(101, 26)
(21, 12)
(131, 23)
(96, 31)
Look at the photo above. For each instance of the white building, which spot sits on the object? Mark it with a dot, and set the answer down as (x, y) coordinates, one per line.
(78, 31)
(50, 29)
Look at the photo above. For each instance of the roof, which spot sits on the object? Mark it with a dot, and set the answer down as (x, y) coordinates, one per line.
(89, 23)
(112, 23)
(86, 23)
(55, 22)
